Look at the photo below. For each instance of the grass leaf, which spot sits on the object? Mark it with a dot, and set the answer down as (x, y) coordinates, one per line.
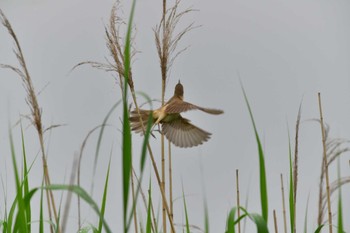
(78, 191)
(291, 187)
(262, 175)
(186, 214)
(104, 199)
(127, 156)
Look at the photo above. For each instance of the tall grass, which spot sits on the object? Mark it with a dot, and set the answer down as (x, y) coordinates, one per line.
(19, 218)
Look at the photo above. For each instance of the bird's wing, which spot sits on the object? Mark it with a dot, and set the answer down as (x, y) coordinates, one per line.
(180, 106)
(183, 134)
(135, 123)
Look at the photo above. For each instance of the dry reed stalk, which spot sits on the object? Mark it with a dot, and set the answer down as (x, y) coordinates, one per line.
(238, 203)
(325, 165)
(133, 199)
(163, 180)
(170, 182)
(35, 111)
(166, 43)
(164, 77)
(275, 221)
(295, 165)
(283, 206)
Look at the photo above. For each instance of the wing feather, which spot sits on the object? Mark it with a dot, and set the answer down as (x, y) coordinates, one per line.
(184, 134)
(179, 106)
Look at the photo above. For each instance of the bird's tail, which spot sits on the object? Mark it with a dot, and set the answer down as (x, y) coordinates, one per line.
(135, 120)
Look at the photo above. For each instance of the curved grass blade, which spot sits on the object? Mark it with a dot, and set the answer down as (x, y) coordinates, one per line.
(99, 140)
(319, 228)
(78, 191)
(21, 223)
(263, 184)
(230, 223)
(259, 221)
(186, 214)
(104, 199)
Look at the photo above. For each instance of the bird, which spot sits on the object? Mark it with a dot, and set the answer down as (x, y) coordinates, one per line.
(177, 130)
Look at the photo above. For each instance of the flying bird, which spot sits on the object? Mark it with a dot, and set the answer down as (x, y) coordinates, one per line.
(176, 129)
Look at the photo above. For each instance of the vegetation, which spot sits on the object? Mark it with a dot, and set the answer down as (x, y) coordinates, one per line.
(18, 215)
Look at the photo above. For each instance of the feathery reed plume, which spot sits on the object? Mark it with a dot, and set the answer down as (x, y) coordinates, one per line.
(35, 109)
(335, 148)
(295, 165)
(115, 45)
(167, 38)
(334, 186)
(325, 164)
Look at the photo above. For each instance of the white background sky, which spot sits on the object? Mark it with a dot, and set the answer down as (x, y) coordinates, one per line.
(284, 52)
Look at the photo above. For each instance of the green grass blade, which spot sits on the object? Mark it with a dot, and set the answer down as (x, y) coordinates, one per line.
(259, 221)
(206, 216)
(319, 228)
(147, 133)
(99, 140)
(20, 224)
(262, 175)
(25, 181)
(41, 215)
(230, 223)
(340, 204)
(306, 213)
(291, 187)
(142, 165)
(149, 217)
(78, 191)
(186, 214)
(104, 199)
(127, 156)
(11, 216)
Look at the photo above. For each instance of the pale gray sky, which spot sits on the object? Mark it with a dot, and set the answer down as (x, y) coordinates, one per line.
(284, 52)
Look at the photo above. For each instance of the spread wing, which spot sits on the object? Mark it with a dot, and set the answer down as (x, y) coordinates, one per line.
(183, 134)
(180, 106)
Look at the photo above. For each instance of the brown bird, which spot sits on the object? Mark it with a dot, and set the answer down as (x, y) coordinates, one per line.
(176, 129)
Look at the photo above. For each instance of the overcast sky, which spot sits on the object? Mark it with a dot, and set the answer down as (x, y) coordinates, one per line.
(285, 52)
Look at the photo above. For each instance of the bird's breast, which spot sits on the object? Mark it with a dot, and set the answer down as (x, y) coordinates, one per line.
(161, 116)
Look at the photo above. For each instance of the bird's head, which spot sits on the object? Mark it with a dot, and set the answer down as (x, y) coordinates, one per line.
(179, 90)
